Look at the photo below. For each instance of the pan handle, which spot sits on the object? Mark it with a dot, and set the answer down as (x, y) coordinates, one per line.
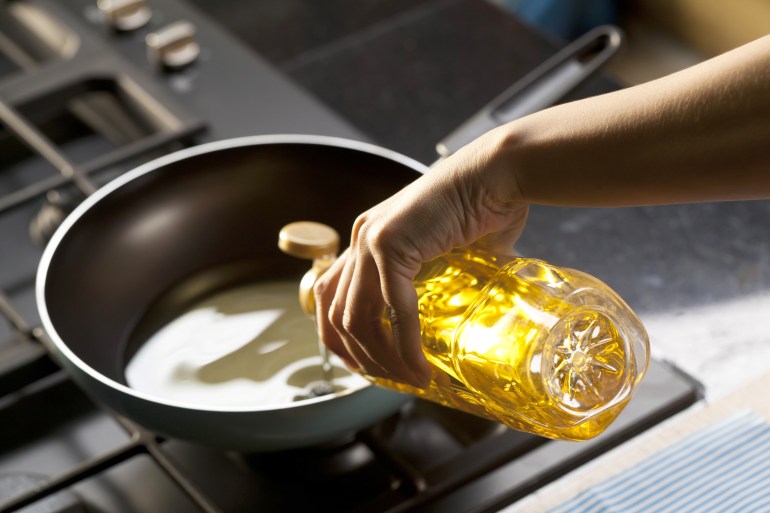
(542, 87)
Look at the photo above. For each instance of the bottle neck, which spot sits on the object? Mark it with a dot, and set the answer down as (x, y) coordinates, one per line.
(306, 297)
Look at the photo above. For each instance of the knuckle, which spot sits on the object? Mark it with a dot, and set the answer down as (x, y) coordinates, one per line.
(359, 225)
(320, 287)
(371, 232)
(348, 322)
(336, 318)
(361, 326)
(380, 238)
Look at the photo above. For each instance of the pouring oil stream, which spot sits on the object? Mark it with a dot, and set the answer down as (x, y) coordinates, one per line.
(319, 243)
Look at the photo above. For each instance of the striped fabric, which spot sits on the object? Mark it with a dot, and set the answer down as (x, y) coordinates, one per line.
(722, 468)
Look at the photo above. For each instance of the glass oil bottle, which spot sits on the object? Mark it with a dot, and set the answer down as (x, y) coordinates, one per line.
(545, 350)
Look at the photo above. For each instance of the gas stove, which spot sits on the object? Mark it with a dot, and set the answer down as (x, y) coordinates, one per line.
(88, 92)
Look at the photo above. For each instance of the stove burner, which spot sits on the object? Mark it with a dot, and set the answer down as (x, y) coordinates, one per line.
(347, 468)
(57, 206)
(65, 501)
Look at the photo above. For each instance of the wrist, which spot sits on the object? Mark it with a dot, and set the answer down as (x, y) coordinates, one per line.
(505, 146)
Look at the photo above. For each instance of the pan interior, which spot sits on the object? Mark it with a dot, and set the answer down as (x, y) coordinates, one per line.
(221, 339)
(157, 245)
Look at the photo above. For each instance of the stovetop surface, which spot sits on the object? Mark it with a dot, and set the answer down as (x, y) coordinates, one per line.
(52, 428)
(426, 458)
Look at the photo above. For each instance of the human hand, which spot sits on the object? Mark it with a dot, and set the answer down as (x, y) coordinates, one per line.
(696, 135)
(468, 198)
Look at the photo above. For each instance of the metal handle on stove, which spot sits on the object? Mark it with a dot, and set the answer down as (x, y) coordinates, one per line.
(542, 87)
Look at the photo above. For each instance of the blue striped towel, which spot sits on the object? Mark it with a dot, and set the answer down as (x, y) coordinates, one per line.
(721, 468)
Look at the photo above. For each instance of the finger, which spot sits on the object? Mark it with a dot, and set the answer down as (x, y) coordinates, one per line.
(324, 291)
(401, 299)
(339, 317)
(364, 323)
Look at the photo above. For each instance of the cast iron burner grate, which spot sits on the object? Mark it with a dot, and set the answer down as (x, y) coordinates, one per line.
(109, 113)
(64, 132)
(62, 502)
(140, 441)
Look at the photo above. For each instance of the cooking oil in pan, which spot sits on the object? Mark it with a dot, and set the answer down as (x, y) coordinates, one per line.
(246, 346)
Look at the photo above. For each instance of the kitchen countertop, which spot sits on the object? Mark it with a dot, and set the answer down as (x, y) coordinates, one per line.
(404, 72)
(407, 72)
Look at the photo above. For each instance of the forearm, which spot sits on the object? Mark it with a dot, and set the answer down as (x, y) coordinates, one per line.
(702, 134)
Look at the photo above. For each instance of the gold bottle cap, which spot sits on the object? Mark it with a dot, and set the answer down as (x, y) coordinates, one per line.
(308, 239)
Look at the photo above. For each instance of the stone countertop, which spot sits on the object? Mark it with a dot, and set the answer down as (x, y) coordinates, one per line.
(404, 72)
(407, 72)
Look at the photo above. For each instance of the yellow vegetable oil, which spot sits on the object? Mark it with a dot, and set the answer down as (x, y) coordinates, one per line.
(542, 349)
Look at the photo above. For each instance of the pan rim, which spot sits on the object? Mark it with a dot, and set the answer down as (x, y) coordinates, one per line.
(60, 346)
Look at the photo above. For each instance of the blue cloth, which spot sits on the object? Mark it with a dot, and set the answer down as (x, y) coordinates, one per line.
(722, 468)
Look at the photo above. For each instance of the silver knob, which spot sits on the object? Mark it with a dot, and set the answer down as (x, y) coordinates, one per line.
(124, 15)
(174, 46)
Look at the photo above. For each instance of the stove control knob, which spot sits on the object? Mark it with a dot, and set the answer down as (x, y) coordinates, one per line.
(125, 15)
(174, 46)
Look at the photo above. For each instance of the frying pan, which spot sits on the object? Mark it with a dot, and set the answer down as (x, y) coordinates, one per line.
(213, 212)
